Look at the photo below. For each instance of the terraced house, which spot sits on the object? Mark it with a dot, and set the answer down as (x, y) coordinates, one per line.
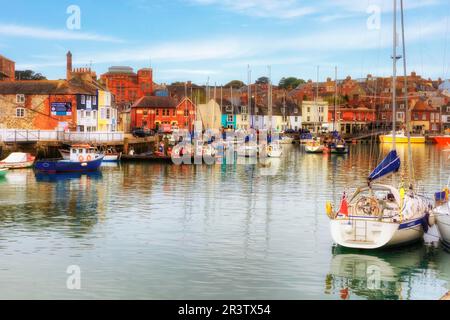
(70, 104)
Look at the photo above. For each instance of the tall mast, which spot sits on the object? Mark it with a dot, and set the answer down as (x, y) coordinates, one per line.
(316, 98)
(407, 113)
(335, 97)
(249, 92)
(270, 98)
(394, 75)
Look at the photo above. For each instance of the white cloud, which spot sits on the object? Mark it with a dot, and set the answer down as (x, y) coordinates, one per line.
(282, 9)
(12, 30)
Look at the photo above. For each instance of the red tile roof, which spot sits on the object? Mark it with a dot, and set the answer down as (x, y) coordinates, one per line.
(155, 102)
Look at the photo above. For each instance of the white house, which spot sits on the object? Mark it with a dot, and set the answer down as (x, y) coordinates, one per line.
(315, 116)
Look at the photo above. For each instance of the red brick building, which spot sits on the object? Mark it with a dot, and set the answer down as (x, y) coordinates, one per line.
(153, 112)
(43, 104)
(128, 86)
(7, 69)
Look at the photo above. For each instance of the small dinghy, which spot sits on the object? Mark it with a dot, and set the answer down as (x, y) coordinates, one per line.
(83, 158)
(17, 160)
(3, 172)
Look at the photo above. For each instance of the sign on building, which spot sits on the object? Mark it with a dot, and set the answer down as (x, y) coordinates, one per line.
(61, 108)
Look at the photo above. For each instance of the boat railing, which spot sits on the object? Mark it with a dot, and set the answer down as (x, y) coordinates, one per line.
(24, 135)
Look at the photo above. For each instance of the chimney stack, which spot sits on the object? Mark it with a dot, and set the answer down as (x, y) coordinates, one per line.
(69, 66)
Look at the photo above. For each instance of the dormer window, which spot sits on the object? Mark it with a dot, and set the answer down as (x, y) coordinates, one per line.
(20, 98)
(83, 99)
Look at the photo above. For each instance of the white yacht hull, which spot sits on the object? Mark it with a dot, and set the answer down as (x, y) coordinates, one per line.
(370, 234)
(442, 215)
(314, 149)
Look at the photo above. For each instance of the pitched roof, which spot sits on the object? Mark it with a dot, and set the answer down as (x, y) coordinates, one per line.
(155, 102)
(44, 87)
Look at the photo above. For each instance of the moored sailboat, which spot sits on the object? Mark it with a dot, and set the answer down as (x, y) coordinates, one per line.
(379, 215)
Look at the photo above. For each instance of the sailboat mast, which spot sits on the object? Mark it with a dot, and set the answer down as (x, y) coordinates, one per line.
(407, 113)
(335, 97)
(316, 98)
(394, 75)
(249, 92)
(270, 98)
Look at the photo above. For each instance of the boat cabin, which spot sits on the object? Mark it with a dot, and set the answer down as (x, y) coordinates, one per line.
(83, 153)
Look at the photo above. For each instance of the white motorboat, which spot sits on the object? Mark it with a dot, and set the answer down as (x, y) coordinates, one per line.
(111, 155)
(18, 160)
(274, 150)
(314, 147)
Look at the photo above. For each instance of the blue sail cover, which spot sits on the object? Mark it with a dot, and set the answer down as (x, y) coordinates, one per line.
(389, 165)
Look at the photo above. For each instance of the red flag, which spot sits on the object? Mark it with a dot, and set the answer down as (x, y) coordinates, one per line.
(344, 206)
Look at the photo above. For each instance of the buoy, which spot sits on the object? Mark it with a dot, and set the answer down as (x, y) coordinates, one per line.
(80, 158)
(89, 158)
(329, 210)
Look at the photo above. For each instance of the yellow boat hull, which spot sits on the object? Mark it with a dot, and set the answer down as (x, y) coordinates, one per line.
(389, 138)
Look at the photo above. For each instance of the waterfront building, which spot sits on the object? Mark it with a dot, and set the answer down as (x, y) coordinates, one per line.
(229, 112)
(70, 104)
(315, 116)
(351, 120)
(128, 86)
(155, 113)
(425, 118)
(107, 112)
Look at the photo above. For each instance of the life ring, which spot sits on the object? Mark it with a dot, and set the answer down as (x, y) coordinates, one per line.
(80, 158)
(89, 158)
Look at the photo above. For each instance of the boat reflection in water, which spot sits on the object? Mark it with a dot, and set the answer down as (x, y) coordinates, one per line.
(43, 177)
(386, 275)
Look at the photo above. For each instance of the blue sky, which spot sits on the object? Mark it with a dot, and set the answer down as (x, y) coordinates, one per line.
(197, 39)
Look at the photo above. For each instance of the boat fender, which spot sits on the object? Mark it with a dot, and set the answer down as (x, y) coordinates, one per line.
(89, 158)
(329, 210)
(80, 158)
(432, 220)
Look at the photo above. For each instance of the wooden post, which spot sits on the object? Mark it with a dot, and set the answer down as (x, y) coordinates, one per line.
(125, 145)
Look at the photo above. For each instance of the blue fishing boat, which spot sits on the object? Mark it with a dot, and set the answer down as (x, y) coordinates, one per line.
(83, 158)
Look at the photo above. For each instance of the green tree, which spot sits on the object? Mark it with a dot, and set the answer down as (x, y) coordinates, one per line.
(28, 75)
(262, 80)
(235, 84)
(290, 83)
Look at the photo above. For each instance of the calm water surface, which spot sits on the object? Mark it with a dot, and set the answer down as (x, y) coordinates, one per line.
(150, 231)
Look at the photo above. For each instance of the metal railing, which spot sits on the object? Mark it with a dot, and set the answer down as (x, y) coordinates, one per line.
(19, 135)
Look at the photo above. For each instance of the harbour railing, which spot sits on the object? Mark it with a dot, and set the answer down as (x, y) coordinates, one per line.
(19, 135)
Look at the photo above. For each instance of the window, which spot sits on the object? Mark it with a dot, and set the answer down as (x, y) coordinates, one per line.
(94, 100)
(416, 116)
(230, 118)
(88, 114)
(102, 113)
(308, 109)
(386, 106)
(399, 116)
(157, 112)
(174, 112)
(229, 108)
(431, 117)
(108, 113)
(402, 106)
(244, 117)
(186, 113)
(83, 99)
(20, 98)
(296, 119)
(308, 119)
(424, 116)
(20, 112)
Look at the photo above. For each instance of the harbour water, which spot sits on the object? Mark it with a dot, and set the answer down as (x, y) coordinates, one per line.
(242, 231)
